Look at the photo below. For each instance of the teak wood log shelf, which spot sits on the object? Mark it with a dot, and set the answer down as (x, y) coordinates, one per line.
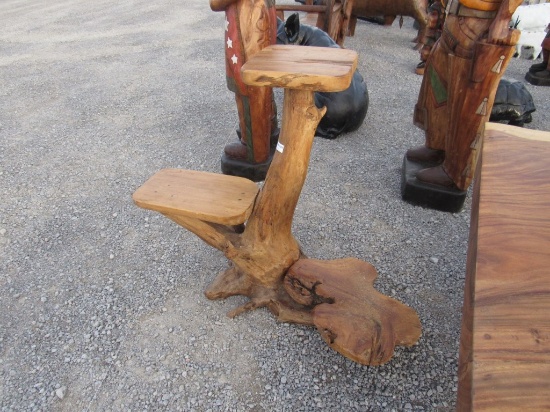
(504, 362)
(267, 264)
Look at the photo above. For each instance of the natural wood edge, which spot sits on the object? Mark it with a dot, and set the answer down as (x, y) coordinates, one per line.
(504, 361)
(233, 282)
(206, 196)
(352, 317)
(503, 130)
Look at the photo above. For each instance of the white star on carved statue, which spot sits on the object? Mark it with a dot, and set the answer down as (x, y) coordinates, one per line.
(234, 59)
(226, 25)
(229, 43)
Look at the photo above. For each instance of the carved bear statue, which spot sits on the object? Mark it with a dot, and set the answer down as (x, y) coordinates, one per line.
(346, 110)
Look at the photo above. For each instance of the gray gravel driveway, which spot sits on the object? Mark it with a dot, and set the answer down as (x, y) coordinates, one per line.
(101, 302)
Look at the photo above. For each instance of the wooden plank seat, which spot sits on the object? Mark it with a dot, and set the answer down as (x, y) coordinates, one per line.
(504, 361)
(226, 199)
(205, 196)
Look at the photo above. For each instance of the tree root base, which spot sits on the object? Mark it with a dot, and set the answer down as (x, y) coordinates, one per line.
(338, 298)
(233, 282)
(352, 317)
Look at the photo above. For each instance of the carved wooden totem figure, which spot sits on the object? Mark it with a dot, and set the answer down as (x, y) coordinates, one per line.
(432, 32)
(539, 73)
(455, 100)
(250, 26)
(392, 8)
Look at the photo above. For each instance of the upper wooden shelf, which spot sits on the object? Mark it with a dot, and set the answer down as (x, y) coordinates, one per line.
(323, 69)
(211, 197)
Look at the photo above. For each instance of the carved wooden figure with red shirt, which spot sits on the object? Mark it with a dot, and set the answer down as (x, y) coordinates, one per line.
(250, 26)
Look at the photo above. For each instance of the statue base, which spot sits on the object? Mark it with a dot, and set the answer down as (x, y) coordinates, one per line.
(428, 195)
(537, 81)
(252, 171)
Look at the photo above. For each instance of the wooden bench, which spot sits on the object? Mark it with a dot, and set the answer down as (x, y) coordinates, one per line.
(357, 321)
(505, 338)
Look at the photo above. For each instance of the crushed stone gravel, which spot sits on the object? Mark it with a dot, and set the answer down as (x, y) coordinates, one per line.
(102, 302)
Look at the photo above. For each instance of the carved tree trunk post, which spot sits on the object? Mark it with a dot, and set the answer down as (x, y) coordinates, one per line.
(268, 247)
(272, 219)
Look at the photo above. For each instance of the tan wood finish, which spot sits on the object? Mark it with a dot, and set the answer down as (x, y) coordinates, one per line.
(265, 250)
(505, 339)
(352, 317)
(206, 196)
(259, 266)
(322, 69)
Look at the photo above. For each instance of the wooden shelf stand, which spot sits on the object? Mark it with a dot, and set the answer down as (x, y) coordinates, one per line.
(267, 264)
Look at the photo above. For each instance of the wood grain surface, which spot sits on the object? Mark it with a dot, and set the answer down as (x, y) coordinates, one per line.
(350, 314)
(505, 339)
(323, 69)
(205, 196)
(362, 324)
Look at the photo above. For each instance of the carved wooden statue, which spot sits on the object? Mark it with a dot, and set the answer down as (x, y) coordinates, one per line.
(339, 17)
(539, 73)
(250, 26)
(455, 100)
(267, 264)
(392, 8)
(432, 32)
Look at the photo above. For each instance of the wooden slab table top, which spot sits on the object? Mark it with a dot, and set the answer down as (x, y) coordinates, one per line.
(505, 339)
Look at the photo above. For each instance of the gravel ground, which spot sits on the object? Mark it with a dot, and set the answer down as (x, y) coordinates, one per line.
(102, 303)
